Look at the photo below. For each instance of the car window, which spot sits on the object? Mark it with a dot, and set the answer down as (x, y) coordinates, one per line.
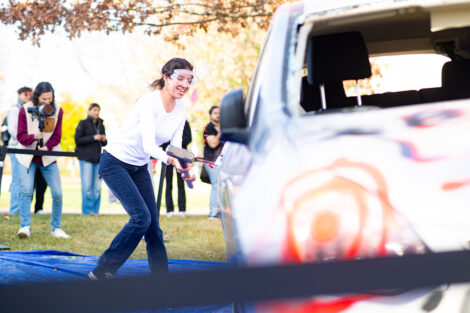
(385, 59)
(253, 93)
(399, 73)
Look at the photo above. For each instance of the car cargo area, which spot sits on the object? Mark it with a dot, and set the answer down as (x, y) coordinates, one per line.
(340, 51)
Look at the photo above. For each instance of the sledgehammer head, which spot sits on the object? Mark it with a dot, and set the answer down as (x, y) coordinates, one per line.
(182, 155)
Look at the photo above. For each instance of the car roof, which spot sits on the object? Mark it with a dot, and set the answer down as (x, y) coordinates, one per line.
(346, 6)
(394, 26)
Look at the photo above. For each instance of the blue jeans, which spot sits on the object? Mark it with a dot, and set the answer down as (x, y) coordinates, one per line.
(133, 187)
(52, 176)
(15, 185)
(91, 187)
(214, 202)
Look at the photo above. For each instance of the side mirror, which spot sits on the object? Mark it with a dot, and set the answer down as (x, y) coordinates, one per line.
(232, 118)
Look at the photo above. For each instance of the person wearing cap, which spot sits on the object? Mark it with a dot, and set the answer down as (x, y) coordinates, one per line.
(24, 96)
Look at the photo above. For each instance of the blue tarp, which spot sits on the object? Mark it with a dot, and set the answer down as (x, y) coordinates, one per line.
(49, 265)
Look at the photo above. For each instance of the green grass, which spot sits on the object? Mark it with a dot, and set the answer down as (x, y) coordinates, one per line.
(190, 238)
(197, 198)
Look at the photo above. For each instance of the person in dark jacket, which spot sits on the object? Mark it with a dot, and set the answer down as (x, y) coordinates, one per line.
(212, 148)
(90, 136)
(170, 208)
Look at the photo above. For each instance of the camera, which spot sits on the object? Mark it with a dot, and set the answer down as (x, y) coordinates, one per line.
(42, 111)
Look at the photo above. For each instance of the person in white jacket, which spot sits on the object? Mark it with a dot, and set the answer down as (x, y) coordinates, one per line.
(157, 117)
(24, 96)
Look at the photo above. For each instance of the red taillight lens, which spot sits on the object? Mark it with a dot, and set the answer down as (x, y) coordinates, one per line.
(325, 226)
(343, 212)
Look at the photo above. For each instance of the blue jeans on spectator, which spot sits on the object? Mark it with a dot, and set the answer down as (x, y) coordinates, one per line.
(132, 186)
(91, 187)
(15, 185)
(52, 176)
(214, 202)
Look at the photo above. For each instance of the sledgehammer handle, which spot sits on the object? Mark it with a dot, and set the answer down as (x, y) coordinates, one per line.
(186, 174)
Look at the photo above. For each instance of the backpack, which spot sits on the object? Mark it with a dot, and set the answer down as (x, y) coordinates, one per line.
(5, 135)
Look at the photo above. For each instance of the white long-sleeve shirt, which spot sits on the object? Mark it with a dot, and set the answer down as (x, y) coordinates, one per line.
(148, 126)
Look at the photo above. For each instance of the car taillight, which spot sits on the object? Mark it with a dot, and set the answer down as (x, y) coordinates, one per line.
(343, 212)
(335, 213)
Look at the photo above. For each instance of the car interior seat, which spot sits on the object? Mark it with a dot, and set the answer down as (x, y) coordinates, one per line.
(455, 78)
(331, 59)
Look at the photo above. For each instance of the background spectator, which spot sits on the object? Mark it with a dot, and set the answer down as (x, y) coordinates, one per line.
(212, 148)
(90, 137)
(187, 138)
(40, 186)
(38, 132)
(24, 96)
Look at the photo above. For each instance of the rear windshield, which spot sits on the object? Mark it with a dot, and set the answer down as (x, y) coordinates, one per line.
(400, 73)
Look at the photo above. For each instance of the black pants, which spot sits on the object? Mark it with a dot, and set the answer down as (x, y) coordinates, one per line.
(168, 191)
(133, 187)
(40, 186)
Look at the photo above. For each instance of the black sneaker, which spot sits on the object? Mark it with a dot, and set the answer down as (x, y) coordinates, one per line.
(103, 276)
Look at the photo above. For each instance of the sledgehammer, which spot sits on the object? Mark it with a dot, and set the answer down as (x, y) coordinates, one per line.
(184, 156)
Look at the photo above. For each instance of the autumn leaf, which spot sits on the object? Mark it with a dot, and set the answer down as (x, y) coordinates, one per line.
(34, 18)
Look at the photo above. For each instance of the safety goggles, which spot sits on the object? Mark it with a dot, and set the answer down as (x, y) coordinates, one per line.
(184, 77)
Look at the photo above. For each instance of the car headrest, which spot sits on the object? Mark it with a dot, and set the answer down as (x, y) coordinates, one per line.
(337, 57)
(456, 74)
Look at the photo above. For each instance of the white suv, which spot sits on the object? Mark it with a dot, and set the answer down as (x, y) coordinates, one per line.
(324, 164)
